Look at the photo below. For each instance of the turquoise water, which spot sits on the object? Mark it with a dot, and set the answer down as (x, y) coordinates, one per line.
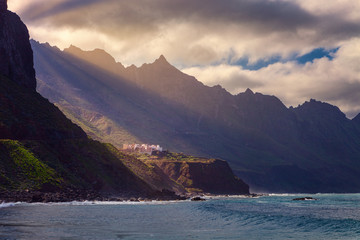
(333, 216)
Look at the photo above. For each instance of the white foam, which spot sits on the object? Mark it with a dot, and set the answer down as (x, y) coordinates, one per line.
(286, 194)
(6, 205)
(90, 203)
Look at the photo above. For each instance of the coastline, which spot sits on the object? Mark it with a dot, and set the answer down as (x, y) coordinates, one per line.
(80, 195)
(70, 195)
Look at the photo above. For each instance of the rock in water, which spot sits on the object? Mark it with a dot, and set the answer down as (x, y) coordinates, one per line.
(197, 199)
(305, 199)
(14, 38)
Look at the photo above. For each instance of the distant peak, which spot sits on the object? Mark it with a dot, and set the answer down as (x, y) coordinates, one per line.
(249, 92)
(161, 60)
(3, 5)
(72, 48)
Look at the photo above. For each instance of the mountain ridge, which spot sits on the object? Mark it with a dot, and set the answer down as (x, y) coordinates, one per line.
(257, 134)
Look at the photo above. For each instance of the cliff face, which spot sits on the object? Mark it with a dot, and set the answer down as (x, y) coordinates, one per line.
(16, 56)
(213, 177)
(3, 5)
(40, 149)
(203, 175)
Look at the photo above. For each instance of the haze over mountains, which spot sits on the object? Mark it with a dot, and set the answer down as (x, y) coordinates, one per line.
(40, 149)
(44, 157)
(310, 148)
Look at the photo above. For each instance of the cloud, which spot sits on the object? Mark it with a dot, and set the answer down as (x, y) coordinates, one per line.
(209, 38)
(336, 81)
(204, 31)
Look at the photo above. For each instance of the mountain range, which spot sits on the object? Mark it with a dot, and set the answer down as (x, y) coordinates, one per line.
(46, 157)
(309, 148)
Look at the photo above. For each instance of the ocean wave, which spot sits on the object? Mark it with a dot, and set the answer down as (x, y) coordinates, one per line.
(6, 205)
(90, 203)
(288, 194)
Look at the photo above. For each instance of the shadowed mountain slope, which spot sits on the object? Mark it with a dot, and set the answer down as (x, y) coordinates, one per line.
(311, 148)
(42, 150)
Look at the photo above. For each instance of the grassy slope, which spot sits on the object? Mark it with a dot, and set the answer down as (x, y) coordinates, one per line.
(48, 149)
(21, 169)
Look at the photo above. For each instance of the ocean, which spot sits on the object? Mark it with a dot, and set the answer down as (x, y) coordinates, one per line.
(332, 216)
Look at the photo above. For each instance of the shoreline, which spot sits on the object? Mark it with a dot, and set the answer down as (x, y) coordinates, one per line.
(80, 195)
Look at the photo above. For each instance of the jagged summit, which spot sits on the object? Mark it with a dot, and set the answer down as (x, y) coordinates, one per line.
(314, 108)
(72, 48)
(249, 91)
(96, 53)
(98, 57)
(3, 5)
(161, 61)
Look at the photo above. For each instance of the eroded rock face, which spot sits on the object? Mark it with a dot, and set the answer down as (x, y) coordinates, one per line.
(209, 176)
(16, 56)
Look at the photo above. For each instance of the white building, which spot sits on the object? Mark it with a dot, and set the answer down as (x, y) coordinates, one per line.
(142, 148)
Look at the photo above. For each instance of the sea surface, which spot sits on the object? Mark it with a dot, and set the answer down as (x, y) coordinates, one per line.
(332, 216)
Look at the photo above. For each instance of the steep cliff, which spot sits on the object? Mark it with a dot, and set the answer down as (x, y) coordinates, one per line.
(196, 174)
(41, 151)
(16, 56)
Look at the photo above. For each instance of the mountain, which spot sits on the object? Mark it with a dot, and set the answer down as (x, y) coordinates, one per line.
(16, 60)
(43, 155)
(310, 148)
(46, 157)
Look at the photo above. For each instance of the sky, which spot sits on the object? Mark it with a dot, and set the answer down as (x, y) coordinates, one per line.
(293, 49)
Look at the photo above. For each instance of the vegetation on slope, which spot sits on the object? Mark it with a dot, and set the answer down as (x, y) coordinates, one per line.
(21, 169)
(45, 150)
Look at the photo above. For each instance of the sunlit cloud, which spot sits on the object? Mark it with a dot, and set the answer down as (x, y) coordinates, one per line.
(208, 39)
(336, 81)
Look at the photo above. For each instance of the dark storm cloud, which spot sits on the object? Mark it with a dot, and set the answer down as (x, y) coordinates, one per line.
(269, 15)
(143, 18)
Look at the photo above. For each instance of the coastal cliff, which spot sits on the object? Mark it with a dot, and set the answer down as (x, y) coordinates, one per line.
(16, 61)
(198, 175)
(43, 155)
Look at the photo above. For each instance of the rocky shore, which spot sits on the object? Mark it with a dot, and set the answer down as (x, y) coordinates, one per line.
(70, 195)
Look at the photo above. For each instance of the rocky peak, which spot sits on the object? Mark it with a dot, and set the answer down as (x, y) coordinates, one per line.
(3, 5)
(320, 110)
(249, 92)
(161, 61)
(98, 57)
(16, 56)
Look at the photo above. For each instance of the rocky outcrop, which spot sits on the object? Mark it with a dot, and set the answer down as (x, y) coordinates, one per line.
(16, 56)
(208, 176)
